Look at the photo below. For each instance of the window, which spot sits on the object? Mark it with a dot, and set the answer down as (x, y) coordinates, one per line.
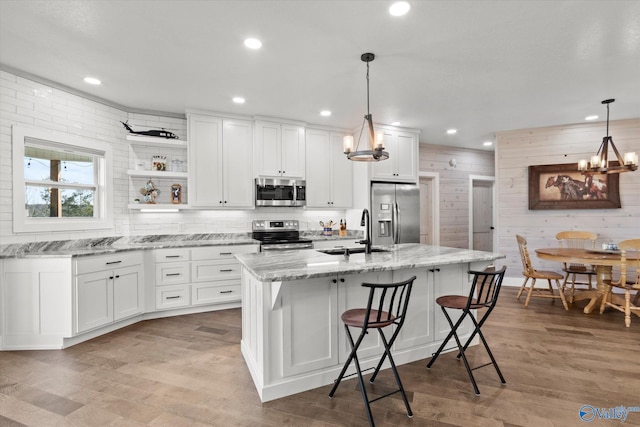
(60, 182)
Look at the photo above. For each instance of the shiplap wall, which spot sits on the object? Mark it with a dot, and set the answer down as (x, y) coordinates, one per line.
(454, 186)
(517, 150)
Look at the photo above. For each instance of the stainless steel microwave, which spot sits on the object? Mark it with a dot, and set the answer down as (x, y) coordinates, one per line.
(280, 192)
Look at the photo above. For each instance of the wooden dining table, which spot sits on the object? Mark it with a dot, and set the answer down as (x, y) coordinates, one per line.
(603, 261)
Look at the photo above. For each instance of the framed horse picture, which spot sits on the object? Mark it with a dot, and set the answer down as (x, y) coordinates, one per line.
(562, 186)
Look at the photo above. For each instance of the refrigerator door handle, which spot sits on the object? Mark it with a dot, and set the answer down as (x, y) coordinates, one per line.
(395, 223)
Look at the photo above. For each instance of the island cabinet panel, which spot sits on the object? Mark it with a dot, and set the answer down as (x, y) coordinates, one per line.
(353, 295)
(310, 318)
(449, 280)
(418, 327)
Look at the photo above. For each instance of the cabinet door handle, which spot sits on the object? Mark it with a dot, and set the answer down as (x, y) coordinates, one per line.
(226, 253)
(118, 276)
(173, 274)
(173, 297)
(226, 292)
(110, 277)
(341, 280)
(113, 262)
(432, 270)
(226, 270)
(334, 281)
(172, 256)
(437, 269)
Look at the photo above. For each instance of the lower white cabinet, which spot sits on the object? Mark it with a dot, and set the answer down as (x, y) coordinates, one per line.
(205, 275)
(108, 288)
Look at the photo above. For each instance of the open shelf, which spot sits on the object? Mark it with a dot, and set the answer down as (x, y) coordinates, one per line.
(156, 206)
(154, 141)
(157, 174)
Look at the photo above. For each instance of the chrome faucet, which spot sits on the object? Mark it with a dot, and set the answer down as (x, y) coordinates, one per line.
(365, 221)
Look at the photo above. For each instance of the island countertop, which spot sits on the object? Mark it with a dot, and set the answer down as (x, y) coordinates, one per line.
(304, 264)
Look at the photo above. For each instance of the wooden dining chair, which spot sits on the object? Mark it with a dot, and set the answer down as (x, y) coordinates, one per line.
(577, 240)
(629, 281)
(531, 273)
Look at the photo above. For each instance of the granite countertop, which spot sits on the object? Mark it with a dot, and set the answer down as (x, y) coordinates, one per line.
(305, 264)
(109, 245)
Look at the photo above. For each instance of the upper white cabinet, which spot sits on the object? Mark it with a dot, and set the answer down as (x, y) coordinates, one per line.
(220, 162)
(402, 164)
(329, 173)
(279, 150)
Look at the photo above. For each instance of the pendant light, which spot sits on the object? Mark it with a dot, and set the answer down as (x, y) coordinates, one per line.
(600, 162)
(376, 152)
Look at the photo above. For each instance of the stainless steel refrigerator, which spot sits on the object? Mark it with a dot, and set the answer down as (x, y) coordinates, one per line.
(395, 213)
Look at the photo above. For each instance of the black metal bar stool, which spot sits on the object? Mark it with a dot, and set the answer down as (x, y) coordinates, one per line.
(387, 305)
(484, 294)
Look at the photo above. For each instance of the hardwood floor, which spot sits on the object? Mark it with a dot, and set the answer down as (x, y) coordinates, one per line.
(188, 371)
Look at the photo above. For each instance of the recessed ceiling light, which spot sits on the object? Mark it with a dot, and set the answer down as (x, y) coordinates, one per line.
(399, 8)
(92, 81)
(395, 123)
(325, 113)
(452, 131)
(594, 117)
(487, 143)
(238, 100)
(253, 43)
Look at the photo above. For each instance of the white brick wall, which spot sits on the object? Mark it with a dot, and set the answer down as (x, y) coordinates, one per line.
(25, 102)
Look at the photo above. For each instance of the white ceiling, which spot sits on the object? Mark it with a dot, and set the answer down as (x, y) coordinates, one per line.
(477, 66)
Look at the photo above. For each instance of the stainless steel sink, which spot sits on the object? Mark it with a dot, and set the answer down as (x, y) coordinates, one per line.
(341, 251)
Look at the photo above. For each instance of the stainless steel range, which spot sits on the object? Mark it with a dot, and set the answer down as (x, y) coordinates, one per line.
(279, 235)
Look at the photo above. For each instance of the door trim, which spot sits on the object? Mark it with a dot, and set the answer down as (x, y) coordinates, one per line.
(435, 205)
(492, 179)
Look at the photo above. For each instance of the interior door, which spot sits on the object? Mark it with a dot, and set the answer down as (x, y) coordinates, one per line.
(482, 215)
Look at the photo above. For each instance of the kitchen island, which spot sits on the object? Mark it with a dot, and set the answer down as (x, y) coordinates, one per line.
(292, 336)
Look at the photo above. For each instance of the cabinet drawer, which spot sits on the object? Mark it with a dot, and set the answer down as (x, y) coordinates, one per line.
(216, 292)
(171, 255)
(172, 297)
(204, 271)
(95, 263)
(222, 252)
(172, 273)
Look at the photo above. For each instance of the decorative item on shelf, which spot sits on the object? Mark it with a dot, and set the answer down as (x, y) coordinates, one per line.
(376, 139)
(160, 133)
(149, 192)
(600, 162)
(176, 194)
(176, 165)
(141, 165)
(159, 163)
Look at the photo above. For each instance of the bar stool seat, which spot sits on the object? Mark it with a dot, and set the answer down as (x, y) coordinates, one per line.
(386, 306)
(484, 292)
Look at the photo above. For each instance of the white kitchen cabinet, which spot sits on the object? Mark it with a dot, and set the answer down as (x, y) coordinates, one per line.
(220, 162)
(329, 174)
(189, 277)
(448, 280)
(279, 150)
(108, 288)
(35, 303)
(215, 273)
(142, 149)
(312, 308)
(402, 165)
(418, 328)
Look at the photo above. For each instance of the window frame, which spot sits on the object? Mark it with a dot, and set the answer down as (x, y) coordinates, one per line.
(103, 197)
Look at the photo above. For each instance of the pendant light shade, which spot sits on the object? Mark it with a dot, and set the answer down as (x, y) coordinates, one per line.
(376, 152)
(600, 162)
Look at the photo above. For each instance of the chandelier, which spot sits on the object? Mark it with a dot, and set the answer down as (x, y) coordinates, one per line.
(376, 152)
(600, 162)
